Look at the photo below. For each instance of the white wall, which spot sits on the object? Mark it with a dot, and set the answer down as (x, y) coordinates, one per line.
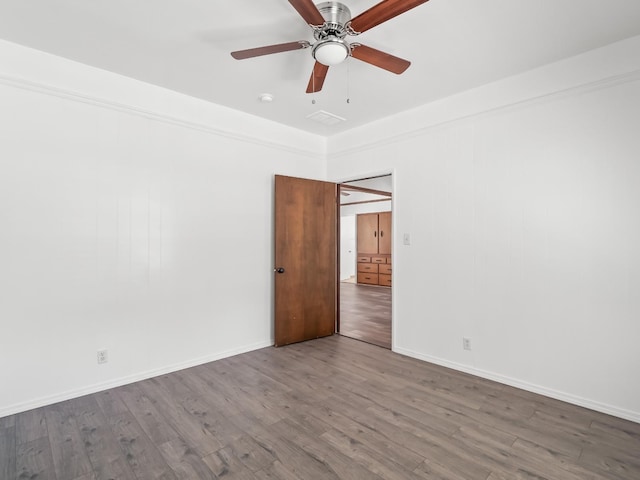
(347, 246)
(119, 205)
(132, 219)
(522, 200)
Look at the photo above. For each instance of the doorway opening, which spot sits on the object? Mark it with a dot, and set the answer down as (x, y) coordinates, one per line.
(365, 260)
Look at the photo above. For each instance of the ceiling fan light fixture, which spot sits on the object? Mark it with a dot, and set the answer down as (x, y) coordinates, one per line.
(331, 51)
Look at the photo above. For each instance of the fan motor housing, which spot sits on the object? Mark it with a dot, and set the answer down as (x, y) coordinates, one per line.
(336, 16)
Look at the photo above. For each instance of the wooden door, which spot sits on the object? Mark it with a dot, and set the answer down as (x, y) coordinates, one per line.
(367, 233)
(305, 259)
(384, 233)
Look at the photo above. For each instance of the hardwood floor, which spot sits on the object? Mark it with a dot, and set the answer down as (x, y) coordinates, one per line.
(365, 313)
(332, 408)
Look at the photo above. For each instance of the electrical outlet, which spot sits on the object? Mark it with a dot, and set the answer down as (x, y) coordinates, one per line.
(466, 343)
(103, 356)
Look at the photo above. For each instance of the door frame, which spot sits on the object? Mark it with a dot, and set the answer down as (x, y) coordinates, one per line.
(394, 244)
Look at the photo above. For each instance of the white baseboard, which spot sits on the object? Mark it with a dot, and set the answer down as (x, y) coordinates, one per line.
(530, 387)
(118, 382)
(98, 387)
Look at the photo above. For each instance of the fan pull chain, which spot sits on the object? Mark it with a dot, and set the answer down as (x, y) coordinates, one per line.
(348, 82)
(313, 81)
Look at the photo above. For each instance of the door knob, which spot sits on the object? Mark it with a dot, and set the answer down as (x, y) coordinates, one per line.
(279, 270)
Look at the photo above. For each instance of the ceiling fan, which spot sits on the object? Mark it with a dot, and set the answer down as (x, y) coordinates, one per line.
(331, 22)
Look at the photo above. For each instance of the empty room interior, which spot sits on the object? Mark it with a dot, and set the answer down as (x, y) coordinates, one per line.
(490, 150)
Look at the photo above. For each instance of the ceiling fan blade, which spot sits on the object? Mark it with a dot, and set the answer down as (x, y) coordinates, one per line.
(308, 11)
(379, 59)
(380, 13)
(269, 49)
(317, 78)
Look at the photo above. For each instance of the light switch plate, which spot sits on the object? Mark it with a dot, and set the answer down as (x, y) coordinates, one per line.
(406, 239)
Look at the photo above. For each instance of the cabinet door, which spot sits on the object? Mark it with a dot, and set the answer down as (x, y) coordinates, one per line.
(367, 233)
(384, 227)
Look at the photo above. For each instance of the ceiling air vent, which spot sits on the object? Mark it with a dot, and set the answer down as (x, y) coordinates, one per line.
(326, 118)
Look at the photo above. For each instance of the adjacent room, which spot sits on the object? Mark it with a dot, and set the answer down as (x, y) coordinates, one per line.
(364, 308)
(140, 149)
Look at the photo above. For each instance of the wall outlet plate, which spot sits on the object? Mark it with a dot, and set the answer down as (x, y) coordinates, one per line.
(466, 343)
(103, 356)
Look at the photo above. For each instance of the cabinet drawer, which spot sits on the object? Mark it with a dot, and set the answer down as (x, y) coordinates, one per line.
(384, 280)
(368, 267)
(378, 259)
(386, 269)
(364, 259)
(371, 278)
(389, 260)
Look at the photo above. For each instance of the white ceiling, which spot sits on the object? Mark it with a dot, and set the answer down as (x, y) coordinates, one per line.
(454, 45)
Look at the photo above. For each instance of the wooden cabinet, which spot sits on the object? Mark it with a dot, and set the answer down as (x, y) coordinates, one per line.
(374, 248)
(367, 233)
(384, 237)
(384, 274)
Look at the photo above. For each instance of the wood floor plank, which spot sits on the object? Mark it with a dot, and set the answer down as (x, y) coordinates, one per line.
(443, 457)
(100, 442)
(362, 432)
(370, 456)
(497, 457)
(34, 460)
(306, 433)
(365, 313)
(611, 462)
(31, 425)
(189, 427)
(291, 456)
(8, 451)
(252, 455)
(8, 421)
(141, 454)
(199, 381)
(69, 455)
(516, 426)
(185, 461)
(435, 470)
(276, 471)
(555, 459)
(226, 464)
(144, 410)
(247, 401)
(616, 427)
(110, 403)
(332, 408)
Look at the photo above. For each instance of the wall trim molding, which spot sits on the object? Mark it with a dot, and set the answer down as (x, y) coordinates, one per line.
(118, 382)
(538, 99)
(68, 94)
(529, 387)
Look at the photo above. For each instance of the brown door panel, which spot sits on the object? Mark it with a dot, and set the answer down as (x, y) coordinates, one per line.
(306, 256)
